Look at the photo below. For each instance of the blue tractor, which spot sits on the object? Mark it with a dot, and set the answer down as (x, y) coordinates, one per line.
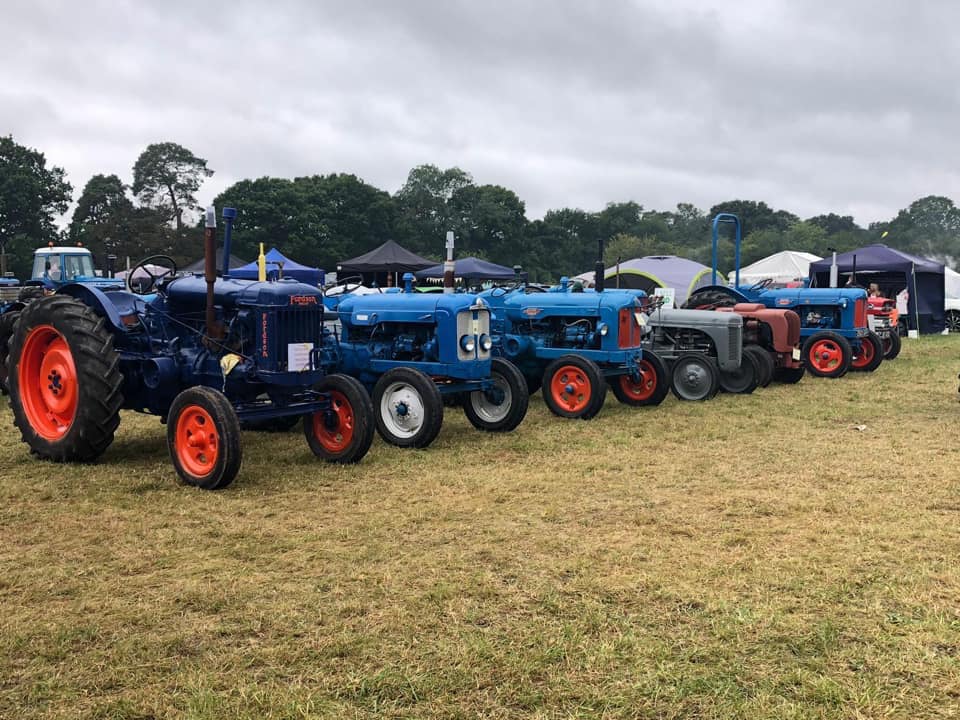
(834, 329)
(571, 344)
(53, 267)
(412, 350)
(203, 353)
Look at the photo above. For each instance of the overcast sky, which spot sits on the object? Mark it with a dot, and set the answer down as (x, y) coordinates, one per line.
(849, 106)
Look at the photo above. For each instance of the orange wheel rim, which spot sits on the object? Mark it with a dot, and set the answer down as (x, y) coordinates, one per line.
(334, 428)
(866, 354)
(197, 441)
(826, 355)
(570, 388)
(644, 389)
(47, 378)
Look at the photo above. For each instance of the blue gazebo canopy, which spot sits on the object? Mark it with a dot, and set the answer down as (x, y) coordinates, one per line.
(291, 269)
(470, 268)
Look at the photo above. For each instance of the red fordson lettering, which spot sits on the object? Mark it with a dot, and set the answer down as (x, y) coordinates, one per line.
(303, 299)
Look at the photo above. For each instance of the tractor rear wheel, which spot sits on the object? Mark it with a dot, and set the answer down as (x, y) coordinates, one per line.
(891, 345)
(652, 388)
(744, 379)
(503, 407)
(709, 299)
(203, 436)
(574, 387)
(790, 376)
(764, 361)
(65, 380)
(407, 407)
(343, 434)
(694, 377)
(870, 354)
(7, 321)
(827, 354)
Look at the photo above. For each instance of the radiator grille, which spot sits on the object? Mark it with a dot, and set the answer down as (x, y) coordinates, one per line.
(301, 325)
(735, 346)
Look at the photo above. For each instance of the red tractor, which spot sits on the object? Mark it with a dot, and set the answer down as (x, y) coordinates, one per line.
(773, 337)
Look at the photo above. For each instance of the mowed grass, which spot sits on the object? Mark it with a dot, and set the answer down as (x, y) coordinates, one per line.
(754, 556)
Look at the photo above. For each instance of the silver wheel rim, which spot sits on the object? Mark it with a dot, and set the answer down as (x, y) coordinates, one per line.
(692, 380)
(402, 410)
(485, 408)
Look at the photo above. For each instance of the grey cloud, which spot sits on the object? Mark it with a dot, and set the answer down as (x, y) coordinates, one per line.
(811, 106)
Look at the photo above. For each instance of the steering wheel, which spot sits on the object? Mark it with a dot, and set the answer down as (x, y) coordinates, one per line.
(164, 262)
(761, 284)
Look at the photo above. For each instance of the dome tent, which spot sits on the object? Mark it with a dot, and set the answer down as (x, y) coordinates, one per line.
(781, 268)
(665, 271)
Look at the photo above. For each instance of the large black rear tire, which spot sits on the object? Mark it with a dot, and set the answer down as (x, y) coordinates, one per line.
(709, 299)
(504, 407)
(7, 322)
(790, 376)
(765, 362)
(65, 380)
(407, 407)
(203, 437)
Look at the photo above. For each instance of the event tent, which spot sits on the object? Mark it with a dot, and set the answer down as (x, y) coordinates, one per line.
(383, 265)
(291, 269)
(470, 268)
(781, 268)
(653, 271)
(893, 270)
(197, 267)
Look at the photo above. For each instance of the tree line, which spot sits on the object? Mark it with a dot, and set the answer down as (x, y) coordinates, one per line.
(321, 220)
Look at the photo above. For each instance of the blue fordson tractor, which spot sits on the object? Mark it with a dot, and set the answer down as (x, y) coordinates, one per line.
(571, 344)
(411, 350)
(203, 353)
(833, 321)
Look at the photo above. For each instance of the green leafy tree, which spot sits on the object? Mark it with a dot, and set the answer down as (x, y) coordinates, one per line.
(490, 221)
(425, 210)
(103, 218)
(166, 176)
(930, 227)
(31, 194)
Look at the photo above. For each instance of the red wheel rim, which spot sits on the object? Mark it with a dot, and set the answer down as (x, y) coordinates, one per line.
(570, 388)
(337, 438)
(644, 389)
(48, 382)
(826, 356)
(197, 441)
(865, 357)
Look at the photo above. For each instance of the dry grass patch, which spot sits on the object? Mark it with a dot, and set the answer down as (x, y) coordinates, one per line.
(755, 556)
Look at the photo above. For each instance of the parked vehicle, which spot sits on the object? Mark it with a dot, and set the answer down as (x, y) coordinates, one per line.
(202, 353)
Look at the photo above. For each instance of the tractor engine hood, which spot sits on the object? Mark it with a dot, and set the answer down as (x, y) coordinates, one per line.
(191, 293)
(520, 308)
(426, 308)
(814, 296)
(694, 319)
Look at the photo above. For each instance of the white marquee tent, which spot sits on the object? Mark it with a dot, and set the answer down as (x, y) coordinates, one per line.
(781, 267)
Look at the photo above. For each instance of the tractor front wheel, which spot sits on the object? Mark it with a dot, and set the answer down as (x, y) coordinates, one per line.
(652, 387)
(7, 322)
(573, 387)
(408, 408)
(765, 363)
(744, 379)
(694, 377)
(504, 406)
(65, 380)
(203, 436)
(891, 345)
(827, 354)
(870, 354)
(343, 433)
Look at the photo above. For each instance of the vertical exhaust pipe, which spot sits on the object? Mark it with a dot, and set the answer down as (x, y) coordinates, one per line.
(210, 270)
(229, 214)
(448, 265)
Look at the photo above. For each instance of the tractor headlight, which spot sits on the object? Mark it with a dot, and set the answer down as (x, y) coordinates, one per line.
(467, 344)
(485, 343)
(603, 329)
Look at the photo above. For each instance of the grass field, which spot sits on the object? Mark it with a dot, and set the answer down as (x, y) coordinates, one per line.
(754, 556)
